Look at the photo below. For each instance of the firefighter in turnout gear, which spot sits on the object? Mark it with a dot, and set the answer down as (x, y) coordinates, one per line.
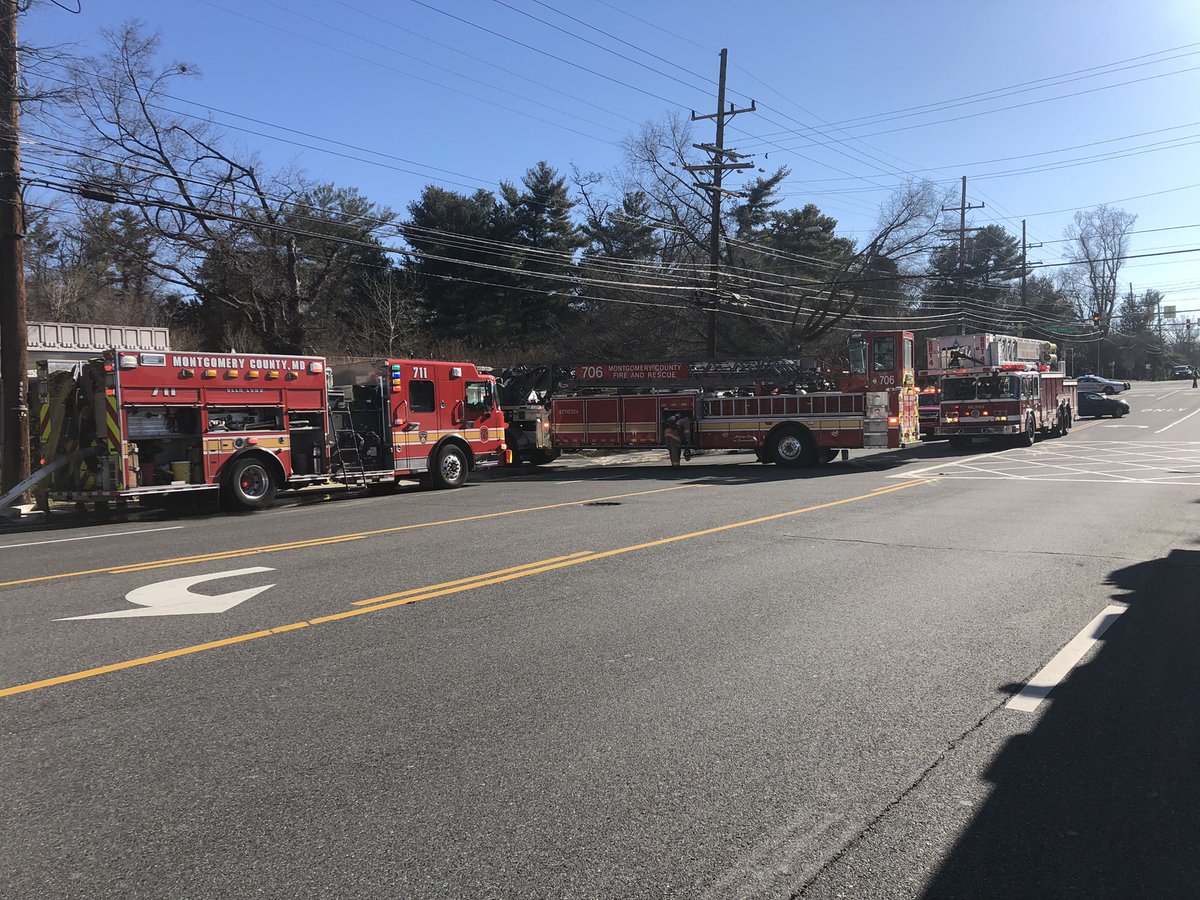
(677, 433)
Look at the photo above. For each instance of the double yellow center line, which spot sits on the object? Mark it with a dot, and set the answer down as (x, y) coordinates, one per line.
(460, 585)
(125, 568)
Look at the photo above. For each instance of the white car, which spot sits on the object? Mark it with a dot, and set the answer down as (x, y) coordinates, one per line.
(1101, 385)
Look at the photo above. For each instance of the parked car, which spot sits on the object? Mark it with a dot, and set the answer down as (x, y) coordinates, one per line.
(1103, 385)
(1181, 372)
(1092, 403)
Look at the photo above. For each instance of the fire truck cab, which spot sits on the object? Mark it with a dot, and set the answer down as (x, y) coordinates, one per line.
(1001, 387)
(397, 417)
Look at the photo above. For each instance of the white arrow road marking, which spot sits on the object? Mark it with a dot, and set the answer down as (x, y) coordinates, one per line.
(1123, 425)
(172, 598)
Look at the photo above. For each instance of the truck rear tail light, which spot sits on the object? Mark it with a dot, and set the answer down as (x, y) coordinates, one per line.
(893, 420)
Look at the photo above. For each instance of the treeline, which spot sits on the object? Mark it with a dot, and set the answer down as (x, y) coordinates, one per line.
(146, 216)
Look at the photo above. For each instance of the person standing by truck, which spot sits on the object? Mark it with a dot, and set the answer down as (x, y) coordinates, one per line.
(677, 430)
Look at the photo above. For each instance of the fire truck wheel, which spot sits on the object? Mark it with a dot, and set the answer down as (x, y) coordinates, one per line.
(248, 485)
(793, 447)
(1029, 435)
(450, 467)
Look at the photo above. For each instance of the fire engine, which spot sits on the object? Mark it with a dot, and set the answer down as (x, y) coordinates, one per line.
(134, 425)
(1002, 387)
(394, 418)
(769, 410)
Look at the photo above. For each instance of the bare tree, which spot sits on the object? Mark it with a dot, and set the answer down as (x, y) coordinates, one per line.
(386, 320)
(1100, 243)
(262, 247)
(870, 273)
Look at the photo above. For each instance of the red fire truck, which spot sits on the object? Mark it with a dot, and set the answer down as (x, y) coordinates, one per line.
(628, 405)
(1002, 387)
(131, 425)
(393, 418)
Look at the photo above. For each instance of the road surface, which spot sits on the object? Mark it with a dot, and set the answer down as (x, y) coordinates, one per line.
(917, 674)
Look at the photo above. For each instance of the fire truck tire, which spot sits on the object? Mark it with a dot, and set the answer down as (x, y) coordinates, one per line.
(1029, 435)
(248, 485)
(449, 467)
(792, 447)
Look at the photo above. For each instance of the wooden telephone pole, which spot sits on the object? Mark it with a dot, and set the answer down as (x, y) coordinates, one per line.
(962, 251)
(720, 160)
(1025, 248)
(14, 413)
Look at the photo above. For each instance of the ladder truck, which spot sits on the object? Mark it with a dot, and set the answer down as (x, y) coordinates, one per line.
(1000, 387)
(787, 412)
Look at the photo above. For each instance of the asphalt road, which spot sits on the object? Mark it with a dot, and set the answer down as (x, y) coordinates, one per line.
(620, 680)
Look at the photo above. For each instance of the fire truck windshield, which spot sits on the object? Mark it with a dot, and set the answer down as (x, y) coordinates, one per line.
(858, 356)
(983, 387)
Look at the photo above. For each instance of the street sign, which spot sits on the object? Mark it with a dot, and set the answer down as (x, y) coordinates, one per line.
(1168, 312)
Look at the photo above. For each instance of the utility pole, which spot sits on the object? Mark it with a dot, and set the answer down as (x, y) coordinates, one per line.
(962, 250)
(720, 160)
(14, 414)
(1025, 246)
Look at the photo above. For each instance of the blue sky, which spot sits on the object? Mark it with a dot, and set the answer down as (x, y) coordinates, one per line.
(470, 92)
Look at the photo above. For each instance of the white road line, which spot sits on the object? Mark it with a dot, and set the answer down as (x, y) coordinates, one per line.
(1177, 421)
(90, 537)
(1040, 685)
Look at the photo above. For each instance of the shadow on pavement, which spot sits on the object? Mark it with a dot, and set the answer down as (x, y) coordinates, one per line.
(1102, 798)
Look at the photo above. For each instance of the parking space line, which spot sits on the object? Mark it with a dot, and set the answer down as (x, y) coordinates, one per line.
(1039, 686)
(89, 537)
(1177, 421)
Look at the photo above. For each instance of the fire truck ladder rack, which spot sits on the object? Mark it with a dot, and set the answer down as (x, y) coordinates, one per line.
(347, 463)
(538, 384)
